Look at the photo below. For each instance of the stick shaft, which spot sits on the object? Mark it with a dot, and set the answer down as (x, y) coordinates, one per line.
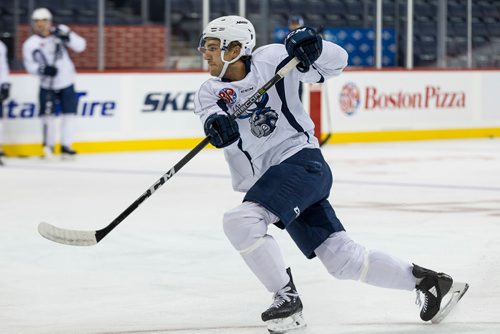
(103, 232)
(239, 111)
(71, 237)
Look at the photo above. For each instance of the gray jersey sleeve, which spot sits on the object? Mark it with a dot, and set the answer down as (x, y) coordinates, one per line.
(331, 63)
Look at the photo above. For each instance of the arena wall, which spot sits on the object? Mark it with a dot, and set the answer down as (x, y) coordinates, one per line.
(151, 111)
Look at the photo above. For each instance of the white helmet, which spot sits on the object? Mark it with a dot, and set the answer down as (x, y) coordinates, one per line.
(41, 14)
(228, 29)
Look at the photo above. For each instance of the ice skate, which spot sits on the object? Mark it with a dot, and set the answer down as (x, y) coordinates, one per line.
(67, 153)
(440, 293)
(48, 153)
(285, 313)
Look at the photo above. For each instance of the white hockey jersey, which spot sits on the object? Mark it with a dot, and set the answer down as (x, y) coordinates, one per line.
(40, 51)
(4, 65)
(276, 127)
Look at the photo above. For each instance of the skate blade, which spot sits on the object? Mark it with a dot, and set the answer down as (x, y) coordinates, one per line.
(48, 157)
(283, 325)
(47, 154)
(68, 157)
(457, 290)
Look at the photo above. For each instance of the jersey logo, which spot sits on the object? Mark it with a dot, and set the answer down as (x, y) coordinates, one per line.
(262, 119)
(228, 95)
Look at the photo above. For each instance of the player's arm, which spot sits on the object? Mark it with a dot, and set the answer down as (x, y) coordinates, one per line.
(4, 65)
(4, 74)
(35, 62)
(332, 60)
(29, 62)
(320, 59)
(217, 123)
(70, 38)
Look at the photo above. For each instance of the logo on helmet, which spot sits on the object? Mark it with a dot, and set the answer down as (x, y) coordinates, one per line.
(350, 98)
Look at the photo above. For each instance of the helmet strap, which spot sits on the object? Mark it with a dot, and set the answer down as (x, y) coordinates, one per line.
(227, 63)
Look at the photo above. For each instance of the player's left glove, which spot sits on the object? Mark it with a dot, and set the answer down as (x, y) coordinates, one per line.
(305, 44)
(62, 32)
(4, 91)
(222, 129)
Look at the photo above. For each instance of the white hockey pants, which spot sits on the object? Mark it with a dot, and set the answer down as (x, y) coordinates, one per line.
(246, 228)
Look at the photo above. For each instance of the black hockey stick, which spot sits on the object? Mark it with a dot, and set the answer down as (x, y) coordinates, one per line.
(89, 238)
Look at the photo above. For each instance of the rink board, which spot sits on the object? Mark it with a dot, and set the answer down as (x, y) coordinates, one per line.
(150, 111)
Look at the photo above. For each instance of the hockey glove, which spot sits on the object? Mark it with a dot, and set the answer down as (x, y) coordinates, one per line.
(48, 70)
(4, 91)
(305, 44)
(62, 32)
(222, 129)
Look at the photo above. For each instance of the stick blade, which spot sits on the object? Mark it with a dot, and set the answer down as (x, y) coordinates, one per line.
(67, 237)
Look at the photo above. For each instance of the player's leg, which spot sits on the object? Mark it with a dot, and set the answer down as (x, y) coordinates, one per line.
(285, 190)
(346, 259)
(68, 121)
(48, 124)
(246, 228)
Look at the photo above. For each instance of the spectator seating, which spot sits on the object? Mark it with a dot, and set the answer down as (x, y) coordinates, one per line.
(321, 14)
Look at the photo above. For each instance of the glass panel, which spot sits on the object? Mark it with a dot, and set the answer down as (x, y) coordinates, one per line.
(136, 35)
(349, 23)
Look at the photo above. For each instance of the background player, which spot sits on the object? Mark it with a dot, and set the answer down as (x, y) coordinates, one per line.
(275, 159)
(45, 54)
(4, 90)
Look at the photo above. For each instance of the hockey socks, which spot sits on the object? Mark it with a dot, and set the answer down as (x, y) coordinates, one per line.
(346, 259)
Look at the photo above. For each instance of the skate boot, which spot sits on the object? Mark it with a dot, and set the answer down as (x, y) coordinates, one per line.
(1, 156)
(285, 313)
(440, 293)
(67, 153)
(48, 153)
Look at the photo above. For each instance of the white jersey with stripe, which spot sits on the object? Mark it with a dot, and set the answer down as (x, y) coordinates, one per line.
(277, 126)
(40, 51)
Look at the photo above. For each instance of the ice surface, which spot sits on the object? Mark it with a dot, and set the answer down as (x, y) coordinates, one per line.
(169, 269)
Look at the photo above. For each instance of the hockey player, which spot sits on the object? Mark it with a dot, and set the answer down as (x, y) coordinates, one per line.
(45, 54)
(274, 158)
(4, 90)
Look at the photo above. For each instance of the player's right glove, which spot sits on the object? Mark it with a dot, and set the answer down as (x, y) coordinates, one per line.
(222, 129)
(4, 91)
(305, 44)
(62, 32)
(48, 70)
